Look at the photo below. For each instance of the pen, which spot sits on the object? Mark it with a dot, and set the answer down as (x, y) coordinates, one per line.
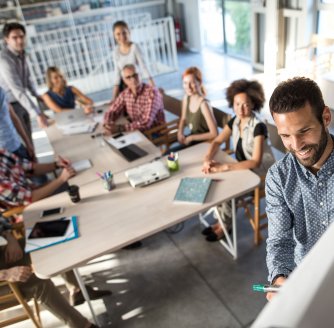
(266, 288)
(64, 160)
(96, 135)
(99, 175)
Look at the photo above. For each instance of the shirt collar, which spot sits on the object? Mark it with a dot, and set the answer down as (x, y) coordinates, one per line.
(16, 53)
(327, 168)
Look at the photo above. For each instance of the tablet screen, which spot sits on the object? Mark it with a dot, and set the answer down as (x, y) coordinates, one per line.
(46, 229)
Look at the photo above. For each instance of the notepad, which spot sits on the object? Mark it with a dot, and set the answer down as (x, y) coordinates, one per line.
(34, 244)
(193, 190)
(77, 128)
(82, 165)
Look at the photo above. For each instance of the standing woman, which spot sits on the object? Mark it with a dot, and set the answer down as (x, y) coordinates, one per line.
(196, 111)
(126, 52)
(60, 96)
(249, 136)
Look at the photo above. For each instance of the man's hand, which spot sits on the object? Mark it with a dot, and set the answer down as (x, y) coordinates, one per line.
(67, 173)
(17, 274)
(88, 109)
(279, 282)
(13, 250)
(109, 129)
(42, 121)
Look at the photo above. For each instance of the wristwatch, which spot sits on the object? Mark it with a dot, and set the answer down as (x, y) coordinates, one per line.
(277, 276)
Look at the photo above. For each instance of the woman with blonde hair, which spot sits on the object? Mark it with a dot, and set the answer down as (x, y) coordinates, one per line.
(196, 112)
(62, 97)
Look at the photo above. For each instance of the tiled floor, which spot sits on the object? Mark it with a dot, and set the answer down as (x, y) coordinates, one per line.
(178, 279)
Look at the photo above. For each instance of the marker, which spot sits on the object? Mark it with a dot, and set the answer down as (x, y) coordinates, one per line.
(99, 175)
(266, 288)
(64, 160)
(96, 135)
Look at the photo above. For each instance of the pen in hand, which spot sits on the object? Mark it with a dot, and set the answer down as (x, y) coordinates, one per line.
(266, 288)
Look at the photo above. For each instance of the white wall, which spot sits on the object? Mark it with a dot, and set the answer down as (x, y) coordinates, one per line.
(192, 24)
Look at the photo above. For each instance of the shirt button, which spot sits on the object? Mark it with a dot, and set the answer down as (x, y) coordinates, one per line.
(320, 184)
(321, 203)
(324, 222)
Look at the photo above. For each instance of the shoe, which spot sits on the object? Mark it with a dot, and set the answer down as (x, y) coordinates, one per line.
(207, 231)
(78, 298)
(212, 237)
(134, 245)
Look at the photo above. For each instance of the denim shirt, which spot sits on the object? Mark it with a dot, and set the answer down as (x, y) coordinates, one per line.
(300, 207)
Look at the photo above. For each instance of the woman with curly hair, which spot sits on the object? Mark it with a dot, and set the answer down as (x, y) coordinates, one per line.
(249, 136)
(196, 111)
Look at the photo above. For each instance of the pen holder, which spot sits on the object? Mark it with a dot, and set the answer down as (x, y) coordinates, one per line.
(173, 162)
(109, 184)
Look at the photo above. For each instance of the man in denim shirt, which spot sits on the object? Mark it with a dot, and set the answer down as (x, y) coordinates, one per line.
(300, 187)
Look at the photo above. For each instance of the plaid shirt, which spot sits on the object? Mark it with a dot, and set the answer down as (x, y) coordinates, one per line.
(15, 187)
(145, 110)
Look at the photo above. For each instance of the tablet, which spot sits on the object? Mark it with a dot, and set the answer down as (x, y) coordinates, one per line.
(46, 229)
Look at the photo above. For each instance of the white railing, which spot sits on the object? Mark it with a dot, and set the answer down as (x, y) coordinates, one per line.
(84, 52)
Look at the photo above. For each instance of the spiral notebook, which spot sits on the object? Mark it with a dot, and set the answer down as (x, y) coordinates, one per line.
(193, 190)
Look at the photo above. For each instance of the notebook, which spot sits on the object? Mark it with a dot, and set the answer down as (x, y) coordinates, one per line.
(82, 165)
(34, 244)
(193, 190)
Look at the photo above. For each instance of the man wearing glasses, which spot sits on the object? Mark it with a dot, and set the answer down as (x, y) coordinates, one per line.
(140, 102)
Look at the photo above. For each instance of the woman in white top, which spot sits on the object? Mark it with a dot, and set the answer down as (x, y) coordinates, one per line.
(126, 52)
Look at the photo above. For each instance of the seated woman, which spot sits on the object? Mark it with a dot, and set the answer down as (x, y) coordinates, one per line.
(249, 136)
(196, 111)
(61, 97)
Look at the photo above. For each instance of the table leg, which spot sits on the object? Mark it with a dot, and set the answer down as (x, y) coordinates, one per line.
(85, 294)
(231, 244)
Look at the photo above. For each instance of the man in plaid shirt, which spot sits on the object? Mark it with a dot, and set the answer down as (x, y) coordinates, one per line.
(141, 102)
(17, 189)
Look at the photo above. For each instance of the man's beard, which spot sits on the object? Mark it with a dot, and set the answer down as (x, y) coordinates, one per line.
(318, 150)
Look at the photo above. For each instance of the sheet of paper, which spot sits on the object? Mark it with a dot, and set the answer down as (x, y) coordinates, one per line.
(77, 128)
(125, 140)
(82, 165)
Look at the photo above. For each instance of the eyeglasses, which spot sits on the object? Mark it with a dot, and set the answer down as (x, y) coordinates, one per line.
(133, 76)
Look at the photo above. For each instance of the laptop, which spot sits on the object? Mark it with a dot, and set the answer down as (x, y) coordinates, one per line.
(70, 116)
(130, 152)
(147, 174)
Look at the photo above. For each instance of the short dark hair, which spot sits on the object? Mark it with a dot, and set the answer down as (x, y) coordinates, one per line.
(12, 26)
(293, 94)
(253, 89)
(120, 24)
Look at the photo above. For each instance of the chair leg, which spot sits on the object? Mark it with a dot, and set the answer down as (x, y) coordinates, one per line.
(24, 304)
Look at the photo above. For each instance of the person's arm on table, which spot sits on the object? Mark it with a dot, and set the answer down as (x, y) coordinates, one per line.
(21, 131)
(115, 110)
(214, 147)
(84, 100)
(280, 242)
(152, 106)
(211, 122)
(244, 165)
(20, 93)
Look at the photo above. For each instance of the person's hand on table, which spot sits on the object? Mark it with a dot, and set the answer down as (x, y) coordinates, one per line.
(13, 250)
(216, 167)
(278, 282)
(207, 165)
(88, 109)
(63, 162)
(17, 274)
(111, 128)
(67, 173)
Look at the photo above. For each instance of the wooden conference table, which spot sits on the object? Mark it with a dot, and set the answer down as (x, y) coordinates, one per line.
(110, 220)
(102, 156)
